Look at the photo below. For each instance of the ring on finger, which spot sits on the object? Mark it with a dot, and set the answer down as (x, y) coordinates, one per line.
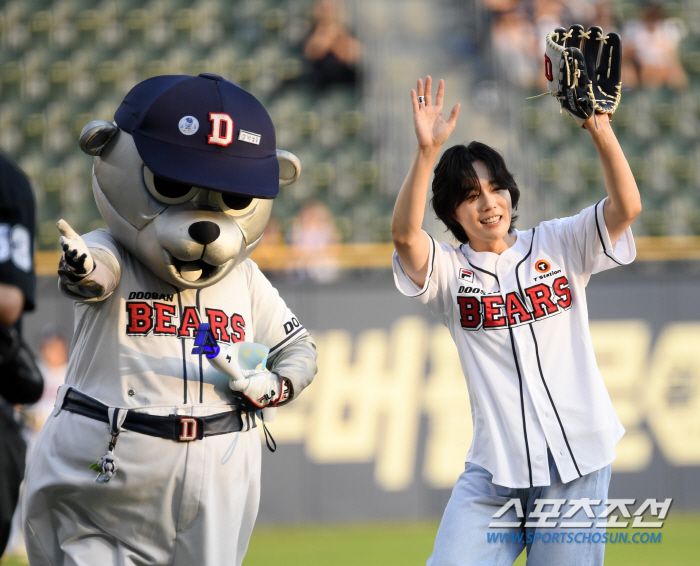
(421, 100)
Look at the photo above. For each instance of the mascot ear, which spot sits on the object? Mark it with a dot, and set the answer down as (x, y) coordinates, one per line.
(290, 167)
(96, 135)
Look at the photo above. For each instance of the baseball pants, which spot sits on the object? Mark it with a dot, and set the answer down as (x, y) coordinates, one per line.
(180, 504)
(462, 539)
(12, 452)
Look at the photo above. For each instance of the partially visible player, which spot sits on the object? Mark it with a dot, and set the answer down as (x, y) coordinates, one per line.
(20, 381)
(515, 304)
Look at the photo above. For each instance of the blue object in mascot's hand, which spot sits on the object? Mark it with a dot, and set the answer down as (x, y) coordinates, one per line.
(204, 342)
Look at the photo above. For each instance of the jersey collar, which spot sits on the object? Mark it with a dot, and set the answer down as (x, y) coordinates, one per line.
(489, 260)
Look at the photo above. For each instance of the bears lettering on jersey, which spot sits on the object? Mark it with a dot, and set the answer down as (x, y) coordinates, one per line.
(492, 312)
(494, 315)
(218, 323)
(237, 328)
(516, 311)
(139, 318)
(541, 300)
(164, 320)
(164, 314)
(470, 312)
(189, 323)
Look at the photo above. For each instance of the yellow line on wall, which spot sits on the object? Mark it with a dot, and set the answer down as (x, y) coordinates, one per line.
(378, 256)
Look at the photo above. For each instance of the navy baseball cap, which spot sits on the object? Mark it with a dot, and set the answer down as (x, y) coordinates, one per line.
(204, 131)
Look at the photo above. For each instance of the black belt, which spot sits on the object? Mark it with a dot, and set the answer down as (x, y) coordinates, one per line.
(174, 427)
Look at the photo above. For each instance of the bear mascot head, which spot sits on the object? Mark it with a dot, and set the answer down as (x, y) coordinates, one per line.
(185, 176)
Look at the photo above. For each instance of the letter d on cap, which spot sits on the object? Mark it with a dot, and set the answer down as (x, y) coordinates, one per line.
(221, 129)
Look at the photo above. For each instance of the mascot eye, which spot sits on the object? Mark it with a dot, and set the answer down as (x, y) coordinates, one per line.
(235, 205)
(166, 191)
(236, 202)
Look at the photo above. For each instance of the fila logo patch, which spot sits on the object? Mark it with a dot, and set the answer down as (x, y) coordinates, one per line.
(466, 275)
(221, 129)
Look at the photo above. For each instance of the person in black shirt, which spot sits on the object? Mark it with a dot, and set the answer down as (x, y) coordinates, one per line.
(20, 381)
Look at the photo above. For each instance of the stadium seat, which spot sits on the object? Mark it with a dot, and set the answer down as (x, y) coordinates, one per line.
(66, 63)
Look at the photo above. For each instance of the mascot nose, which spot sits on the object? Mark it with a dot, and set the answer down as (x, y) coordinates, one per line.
(204, 232)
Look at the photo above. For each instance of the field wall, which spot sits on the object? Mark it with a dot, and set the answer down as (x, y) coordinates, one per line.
(385, 427)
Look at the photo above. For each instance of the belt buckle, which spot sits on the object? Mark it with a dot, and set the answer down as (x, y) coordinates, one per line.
(189, 429)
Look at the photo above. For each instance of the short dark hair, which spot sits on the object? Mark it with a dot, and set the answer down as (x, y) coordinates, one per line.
(455, 179)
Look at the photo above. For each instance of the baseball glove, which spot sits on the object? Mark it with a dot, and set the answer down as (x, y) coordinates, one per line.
(583, 70)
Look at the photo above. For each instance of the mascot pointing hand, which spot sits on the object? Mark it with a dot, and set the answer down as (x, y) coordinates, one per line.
(150, 456)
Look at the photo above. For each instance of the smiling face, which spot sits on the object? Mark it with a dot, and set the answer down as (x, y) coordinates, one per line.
(485, 214)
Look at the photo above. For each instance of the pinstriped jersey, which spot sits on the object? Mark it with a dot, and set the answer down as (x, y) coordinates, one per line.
(520, 323)
(134, 348)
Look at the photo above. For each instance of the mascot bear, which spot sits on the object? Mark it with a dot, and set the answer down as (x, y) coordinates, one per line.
(150, 457)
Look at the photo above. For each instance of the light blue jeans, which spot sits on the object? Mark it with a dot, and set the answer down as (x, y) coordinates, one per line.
(462, 539)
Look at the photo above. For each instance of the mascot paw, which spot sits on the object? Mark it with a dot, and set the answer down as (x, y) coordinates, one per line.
(76, 259)
(261, 388)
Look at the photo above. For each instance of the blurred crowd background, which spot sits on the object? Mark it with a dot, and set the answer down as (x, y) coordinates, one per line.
(335, 77)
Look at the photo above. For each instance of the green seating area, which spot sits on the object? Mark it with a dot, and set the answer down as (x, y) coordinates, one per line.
(66, 62)
(660, 134)
(659, 130)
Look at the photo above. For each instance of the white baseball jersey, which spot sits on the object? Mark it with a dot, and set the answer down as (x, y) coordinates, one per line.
(147, 327)
(169, 502)
(520, 323)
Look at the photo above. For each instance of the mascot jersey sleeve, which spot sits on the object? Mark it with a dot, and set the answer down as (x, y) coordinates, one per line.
(520, 323)
(146, 327)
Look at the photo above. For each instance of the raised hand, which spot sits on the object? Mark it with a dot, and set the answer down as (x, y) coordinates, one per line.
(76, 256)
(432, 130)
